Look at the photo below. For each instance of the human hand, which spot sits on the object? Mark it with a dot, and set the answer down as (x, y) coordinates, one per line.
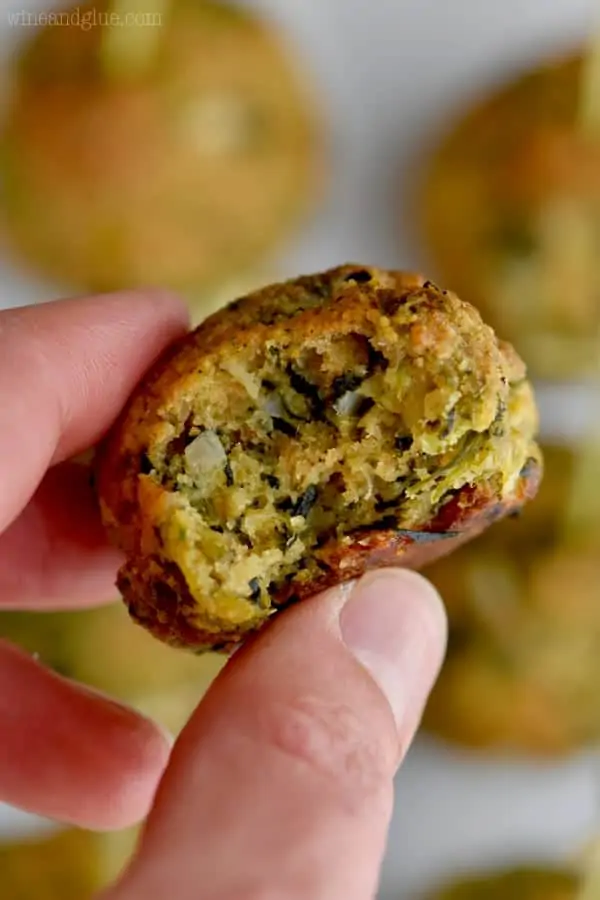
(66, 370)
(282, 783)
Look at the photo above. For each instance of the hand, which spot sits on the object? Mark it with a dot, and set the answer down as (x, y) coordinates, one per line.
(66, 370)
(281, 785)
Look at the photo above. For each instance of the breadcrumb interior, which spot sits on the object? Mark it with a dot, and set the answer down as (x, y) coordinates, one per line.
(279, 450)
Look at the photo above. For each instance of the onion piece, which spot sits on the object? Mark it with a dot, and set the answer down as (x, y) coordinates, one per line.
(349, 403)
(205, 453)
(238, 371)
(273, 405)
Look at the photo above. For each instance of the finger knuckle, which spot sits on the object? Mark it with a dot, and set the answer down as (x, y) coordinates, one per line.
(331, 740)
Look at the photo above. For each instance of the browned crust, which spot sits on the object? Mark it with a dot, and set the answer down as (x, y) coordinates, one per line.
(166, 609)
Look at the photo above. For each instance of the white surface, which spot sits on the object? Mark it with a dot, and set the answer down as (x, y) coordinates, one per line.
(388, 73)
(455, 811)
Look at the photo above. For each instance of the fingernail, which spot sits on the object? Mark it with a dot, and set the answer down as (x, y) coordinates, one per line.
(394, 623)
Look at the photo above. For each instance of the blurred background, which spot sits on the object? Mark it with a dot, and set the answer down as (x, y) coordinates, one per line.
(212, 148)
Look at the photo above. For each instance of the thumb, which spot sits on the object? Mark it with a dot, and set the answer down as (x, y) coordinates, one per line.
(281, 785)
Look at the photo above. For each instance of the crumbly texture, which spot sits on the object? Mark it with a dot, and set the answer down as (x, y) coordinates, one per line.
(508, 208)
(102, 648)
(63, 865)
(315, 429)
(519, 884)
(523, 667)
(185, 175)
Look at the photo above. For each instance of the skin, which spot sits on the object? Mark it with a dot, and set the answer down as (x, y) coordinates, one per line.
(327, 699)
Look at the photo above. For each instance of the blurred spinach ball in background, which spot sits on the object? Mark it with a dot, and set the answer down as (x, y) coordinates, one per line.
(518, 884)
(63, 865)
(177, 154)
(523, 667)
(508, 208)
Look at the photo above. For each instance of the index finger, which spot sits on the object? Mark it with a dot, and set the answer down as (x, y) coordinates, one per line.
(66, 369)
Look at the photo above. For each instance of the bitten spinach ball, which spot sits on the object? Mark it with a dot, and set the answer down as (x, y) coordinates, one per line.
(306, 433)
